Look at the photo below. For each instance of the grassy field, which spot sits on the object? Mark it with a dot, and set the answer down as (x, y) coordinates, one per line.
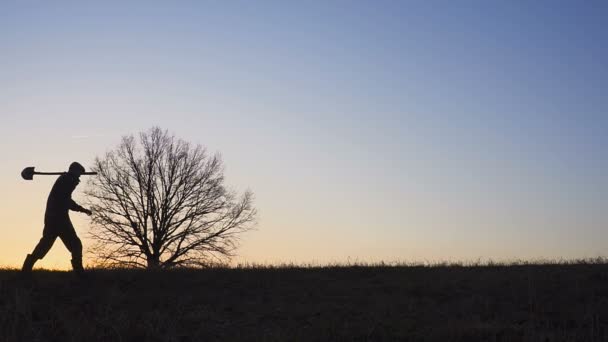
(550, 302)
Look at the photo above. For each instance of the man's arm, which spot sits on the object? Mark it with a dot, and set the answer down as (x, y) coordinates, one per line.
(76, 207)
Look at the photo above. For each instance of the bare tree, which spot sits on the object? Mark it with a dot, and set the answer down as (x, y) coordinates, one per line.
(159, 202)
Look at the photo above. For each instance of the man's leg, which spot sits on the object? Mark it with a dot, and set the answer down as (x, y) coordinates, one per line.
(43, 247)
(74, 245)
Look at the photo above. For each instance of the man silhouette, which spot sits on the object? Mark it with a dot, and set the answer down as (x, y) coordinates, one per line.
(57, 222)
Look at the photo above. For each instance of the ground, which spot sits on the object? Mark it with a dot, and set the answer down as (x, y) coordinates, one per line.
(562, 302)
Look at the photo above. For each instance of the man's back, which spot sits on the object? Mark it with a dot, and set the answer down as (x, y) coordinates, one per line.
(60, 197)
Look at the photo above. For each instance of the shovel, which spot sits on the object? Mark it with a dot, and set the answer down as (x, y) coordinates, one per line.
(29, 172)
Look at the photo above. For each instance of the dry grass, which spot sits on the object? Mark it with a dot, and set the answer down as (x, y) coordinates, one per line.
(546, 301)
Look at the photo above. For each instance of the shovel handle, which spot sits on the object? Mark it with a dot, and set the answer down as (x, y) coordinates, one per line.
(62, 173)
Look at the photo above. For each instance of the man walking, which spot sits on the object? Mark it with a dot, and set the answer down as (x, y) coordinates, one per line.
(57, 222)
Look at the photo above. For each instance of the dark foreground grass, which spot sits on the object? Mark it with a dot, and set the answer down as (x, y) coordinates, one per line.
(565, 302)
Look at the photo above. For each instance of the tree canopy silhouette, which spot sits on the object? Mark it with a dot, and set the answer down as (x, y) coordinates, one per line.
(160, 202)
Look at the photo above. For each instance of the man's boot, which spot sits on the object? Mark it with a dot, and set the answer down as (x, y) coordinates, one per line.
(77, 266)
(28, 264)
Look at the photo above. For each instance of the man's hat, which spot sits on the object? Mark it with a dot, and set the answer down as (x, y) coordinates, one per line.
(75, 167)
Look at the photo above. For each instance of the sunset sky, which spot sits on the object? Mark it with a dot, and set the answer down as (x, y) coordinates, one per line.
(396, 131)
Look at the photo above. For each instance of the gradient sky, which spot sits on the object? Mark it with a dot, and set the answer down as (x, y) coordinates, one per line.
(396, 131)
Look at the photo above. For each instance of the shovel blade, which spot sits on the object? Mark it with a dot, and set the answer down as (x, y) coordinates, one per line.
(28, 173)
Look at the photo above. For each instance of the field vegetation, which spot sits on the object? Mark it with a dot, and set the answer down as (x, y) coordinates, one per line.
(521, 301)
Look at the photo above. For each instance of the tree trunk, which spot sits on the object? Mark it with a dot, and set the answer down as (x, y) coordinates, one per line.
(153, 262)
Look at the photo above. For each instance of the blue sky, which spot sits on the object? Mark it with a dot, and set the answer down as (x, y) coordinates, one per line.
(368, 130)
